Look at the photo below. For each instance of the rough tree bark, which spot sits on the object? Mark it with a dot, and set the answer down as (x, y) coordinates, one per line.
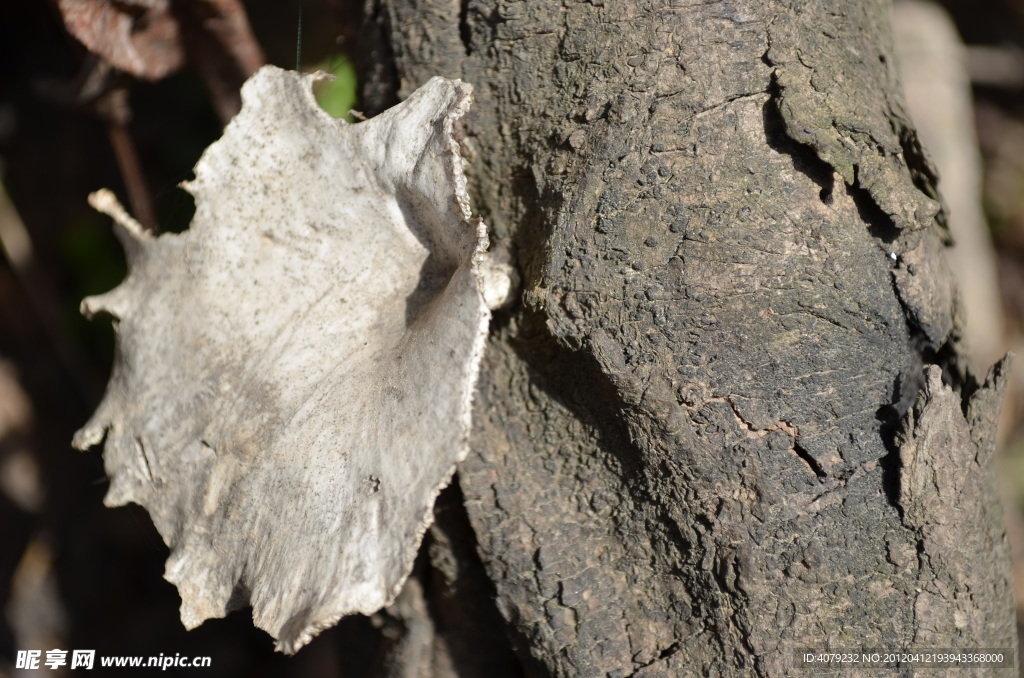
(730, 416)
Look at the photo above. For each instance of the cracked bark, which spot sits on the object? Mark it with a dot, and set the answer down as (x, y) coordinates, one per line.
(730, 416)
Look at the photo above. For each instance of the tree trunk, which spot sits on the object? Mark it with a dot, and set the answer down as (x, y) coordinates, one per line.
(729, 417)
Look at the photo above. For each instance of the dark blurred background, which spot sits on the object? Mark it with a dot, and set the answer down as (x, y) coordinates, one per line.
(73, 574)
(76, 575)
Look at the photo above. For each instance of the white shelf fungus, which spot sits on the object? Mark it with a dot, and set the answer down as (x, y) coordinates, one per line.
(294, 373)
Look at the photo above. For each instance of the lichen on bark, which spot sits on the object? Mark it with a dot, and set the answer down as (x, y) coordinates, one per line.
(294, 373)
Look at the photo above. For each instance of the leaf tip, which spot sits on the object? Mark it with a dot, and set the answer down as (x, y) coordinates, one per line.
(106, 202)
(114, 303)
(319, 76)
(88, 436)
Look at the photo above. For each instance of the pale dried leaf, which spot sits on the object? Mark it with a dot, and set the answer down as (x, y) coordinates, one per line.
(294, 374)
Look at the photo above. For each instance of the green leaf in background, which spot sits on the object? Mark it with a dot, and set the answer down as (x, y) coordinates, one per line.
(337, 97)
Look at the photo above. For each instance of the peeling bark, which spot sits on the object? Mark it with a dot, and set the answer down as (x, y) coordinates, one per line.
(946, 450)
(730, 416)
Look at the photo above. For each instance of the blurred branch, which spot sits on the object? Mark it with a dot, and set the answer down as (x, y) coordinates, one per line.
(221, 47)
(16, 245)
(102, 90)
(993, 66)
(113, 108)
